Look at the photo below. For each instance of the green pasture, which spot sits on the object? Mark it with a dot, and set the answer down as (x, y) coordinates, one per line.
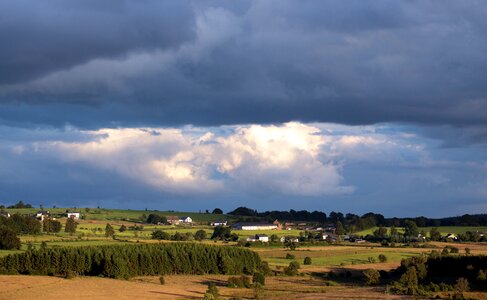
(334, 258)
(103, 214)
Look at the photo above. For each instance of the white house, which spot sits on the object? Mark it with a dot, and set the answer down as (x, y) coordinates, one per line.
(186, 220)
(254, 226)
(259, 238)
(74, 215)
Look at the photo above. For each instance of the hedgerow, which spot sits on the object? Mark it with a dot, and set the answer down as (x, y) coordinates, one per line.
(125, 261)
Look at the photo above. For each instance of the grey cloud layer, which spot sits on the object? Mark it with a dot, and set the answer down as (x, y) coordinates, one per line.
(97, 64)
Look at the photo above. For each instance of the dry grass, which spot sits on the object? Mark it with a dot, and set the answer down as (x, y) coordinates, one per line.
(176, 287)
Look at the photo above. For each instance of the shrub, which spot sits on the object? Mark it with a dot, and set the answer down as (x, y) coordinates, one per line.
(258, 278)
(371, 260)
(200, 235)
(292, 269)
(382, 258)
(162, 280)
(70, 274)
(265, 269)
(454, 249)
(160, 235)
(290, 256)
(307, 260)
(467, 251)
(211, 292)
(461, 285)
(371, 276)
(235, 282)
(481, 276)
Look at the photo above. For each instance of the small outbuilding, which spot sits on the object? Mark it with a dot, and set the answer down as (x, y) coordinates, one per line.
(74, 215)
(259, 238)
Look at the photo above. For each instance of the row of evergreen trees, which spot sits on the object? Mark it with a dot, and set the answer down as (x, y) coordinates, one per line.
(125, 261)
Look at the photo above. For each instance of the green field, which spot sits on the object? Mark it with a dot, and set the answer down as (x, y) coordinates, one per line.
(103, 214)
(336, 256)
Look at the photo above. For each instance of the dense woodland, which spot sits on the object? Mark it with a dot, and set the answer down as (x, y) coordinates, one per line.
(125, 261)
(422, 275)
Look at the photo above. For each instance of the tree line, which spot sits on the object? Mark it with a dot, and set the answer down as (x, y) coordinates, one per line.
(355, 222)
(125, 261)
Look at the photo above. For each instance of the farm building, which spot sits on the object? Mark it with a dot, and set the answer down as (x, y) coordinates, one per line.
(42, 214)
(4, 214)
(259, 238)
(289, 238)
(254, 226)
(219, 223)
(74, 215)
(278, 224)
(452, 236)
(173, 220)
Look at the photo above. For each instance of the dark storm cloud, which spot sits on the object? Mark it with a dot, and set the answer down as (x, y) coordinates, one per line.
(42, 37)
(96, 64)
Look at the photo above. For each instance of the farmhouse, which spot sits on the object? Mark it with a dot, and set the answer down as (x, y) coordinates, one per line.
(254, 226)
(42, 214)
(173, 220)
(278, 224)
(289, 225)
(259, 238)
(74, 215)
(219, 223)
(185, 220)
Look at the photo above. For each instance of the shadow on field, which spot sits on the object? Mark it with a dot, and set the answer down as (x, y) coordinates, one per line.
(177, 295)
(347, 275)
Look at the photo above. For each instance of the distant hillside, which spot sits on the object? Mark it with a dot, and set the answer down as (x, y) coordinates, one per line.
(105, 214)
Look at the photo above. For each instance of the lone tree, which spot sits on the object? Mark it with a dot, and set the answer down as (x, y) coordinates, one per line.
(340, 230)
(217, 211)
(156, 219)
(70, 226)
(435, 234)
(8, 239)
(122, 228)
(411, 229)
(109, 231)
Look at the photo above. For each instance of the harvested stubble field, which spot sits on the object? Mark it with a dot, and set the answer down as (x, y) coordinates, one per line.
(176, 287)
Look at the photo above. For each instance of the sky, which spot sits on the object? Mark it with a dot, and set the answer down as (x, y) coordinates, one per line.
(351, 106)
